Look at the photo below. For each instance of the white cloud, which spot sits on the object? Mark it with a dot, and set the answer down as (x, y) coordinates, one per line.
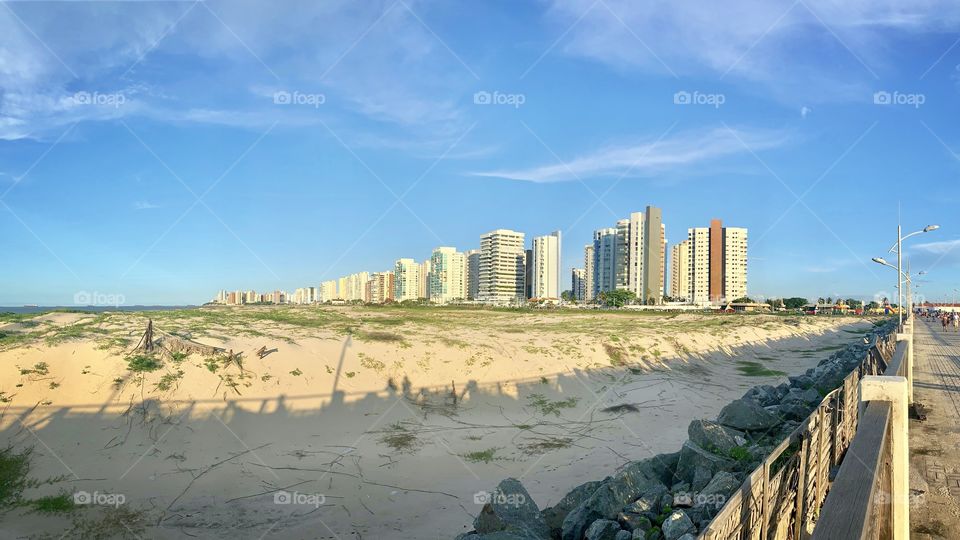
(375, 61)
(648, 157)
(780, 43)
(144, 205)
(938, 248)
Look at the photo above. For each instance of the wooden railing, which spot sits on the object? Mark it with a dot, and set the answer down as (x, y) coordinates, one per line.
(781, 498)
(860, 504)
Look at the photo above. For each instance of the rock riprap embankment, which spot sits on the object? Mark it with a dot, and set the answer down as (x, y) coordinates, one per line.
(672, 496)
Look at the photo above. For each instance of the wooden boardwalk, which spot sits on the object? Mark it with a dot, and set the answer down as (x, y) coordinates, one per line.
(935, 442)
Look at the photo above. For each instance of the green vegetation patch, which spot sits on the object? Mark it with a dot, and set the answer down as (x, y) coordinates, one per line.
(756, 369)
(143, 363)
(481, 456)
(546, 406)
(52, 504)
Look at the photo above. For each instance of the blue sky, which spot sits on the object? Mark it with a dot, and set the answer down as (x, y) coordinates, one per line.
(147, 149)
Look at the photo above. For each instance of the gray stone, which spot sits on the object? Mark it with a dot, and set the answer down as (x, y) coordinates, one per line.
(602, 529)
(472, 535)
(688, 536)
(624, 535)
(676, 525)
(746, 415)
(764, 395)
(795, 410)
(632, 521)
(648, 502)
(697, 465)
(713, 437)
(712, 497)
(606, 502)
(555, 515)
(810, 396)
(801, 381)
(511, 510)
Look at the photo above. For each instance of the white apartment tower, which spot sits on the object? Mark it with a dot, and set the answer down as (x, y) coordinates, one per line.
(680, 270)
(546, 267)
(406, 279)
(718, 263)
(448, 272)
(502, 267)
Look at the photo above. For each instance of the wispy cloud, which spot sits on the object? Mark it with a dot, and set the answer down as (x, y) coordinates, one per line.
(778, 43)
(649, 157)
(939, 248)
(144, 205)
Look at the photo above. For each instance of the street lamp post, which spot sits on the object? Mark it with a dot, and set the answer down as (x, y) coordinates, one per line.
(899, 247)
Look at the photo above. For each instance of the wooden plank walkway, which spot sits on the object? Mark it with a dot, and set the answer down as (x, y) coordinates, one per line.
(935, 443)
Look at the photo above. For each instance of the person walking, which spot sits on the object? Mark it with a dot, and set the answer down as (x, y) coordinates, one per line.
(943, 321)
(956, 321)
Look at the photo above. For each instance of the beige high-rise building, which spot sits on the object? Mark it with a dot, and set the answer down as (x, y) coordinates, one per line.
(545, 272)
(588, 273)
(718, 263)
(328, 291)
(380, 288)
(406, 279)
(734, 263)
(448, 273)
(502, 267)
(680, 270)
(646, 255)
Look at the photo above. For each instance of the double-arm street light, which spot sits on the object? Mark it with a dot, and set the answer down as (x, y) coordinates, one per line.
(898, 246)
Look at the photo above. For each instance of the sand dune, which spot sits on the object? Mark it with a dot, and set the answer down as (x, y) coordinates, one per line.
(378, 423)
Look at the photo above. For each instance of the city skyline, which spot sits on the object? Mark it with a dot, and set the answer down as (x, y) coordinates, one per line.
(339, 136)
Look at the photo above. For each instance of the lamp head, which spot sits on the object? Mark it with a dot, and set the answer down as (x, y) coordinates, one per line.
(929, 228)
(879, 260)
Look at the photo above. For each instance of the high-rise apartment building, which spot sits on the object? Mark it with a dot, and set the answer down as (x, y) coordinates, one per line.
(527, 273)
(423, 285)
(578, 281)
(406, 276)
(328, 291)
(653, 257)
(630, 256)
(380, 288)
(588, 272)
(680, 270)
(604, 260)
(718, 263)
(473, 273)
(502, 267)
(448, 272)
(545, 267)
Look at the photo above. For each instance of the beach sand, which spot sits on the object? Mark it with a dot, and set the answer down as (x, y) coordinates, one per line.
(364, 422)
